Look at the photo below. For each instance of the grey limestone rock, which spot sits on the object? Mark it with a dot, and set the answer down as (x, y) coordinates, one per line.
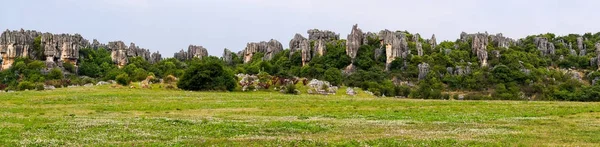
(423, 70)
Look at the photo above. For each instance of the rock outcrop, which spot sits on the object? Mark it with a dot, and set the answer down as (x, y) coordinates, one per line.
(316, 34)
(295, 43)
(370, 35)
(500, 41)
(433, 42)
(269, 49)
(56, 49)
(62, 48)
(319, 48)
(597, 55)
(192, 52)
(227, 56)
(395, 45)
(354, 41)
(419, 49)
(14, 44)
(479, 47)
(416, 37)
(118, 53)
(423, 70)
(545, 47)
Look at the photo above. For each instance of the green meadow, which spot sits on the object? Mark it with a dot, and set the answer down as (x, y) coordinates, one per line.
(101, 115)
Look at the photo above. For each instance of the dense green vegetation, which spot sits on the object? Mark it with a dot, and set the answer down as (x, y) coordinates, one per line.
(520, 72)
(105, 116)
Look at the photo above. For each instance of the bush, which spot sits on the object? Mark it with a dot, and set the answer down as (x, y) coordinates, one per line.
(39, 86)
(123, 79)
(69, 67)
(210, 74)
(290, 89)
(55, 74)
(26, 85)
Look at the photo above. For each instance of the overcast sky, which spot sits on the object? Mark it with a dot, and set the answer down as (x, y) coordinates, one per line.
(171, 25)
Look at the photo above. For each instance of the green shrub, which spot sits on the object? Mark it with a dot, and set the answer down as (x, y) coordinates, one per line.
(210, 74)
(55, 74)
(290, 89)
(25, 85)
(69, 67)
(123, 79)
(39, 86)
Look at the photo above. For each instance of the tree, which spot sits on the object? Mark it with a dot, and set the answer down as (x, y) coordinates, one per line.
(207, 75)
(333, 76)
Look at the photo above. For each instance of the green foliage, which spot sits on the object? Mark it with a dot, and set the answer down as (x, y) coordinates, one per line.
(26, 85)
(94, 62)
(69, 67)
(55, 74)
(290, 89)
(123, 79)
(333, 76)
(209, 74)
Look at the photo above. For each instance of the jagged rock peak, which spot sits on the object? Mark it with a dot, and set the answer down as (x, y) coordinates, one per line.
(479, 47)
(316, 34)
(197, 52)
(354, 41)
(319, 48)
(545, 47)
(416, 37)
(396, 45)
(118, 53)
(227, 56)
(500, 41)
(433, 41)
(269, 49)
(295, 43)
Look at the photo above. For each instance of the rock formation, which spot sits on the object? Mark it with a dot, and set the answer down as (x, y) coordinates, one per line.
(545, 47)
(192, 52)
(433, 42)
(395, 46)
(14, 44)
(479, 47)
(305, 50)
(316, 34)
(496, 54)
(227, 56)
(295, 43)
(419, 49)
(56, 49)
(197, 52)
(354, 41)
(269, 49)
(118, 53)
(500, 41)
(368, 35)
(319, 48)
(416, 37)
(273, 47)
(580, 43)
(423, 70)
(63, 48)
(598, 55)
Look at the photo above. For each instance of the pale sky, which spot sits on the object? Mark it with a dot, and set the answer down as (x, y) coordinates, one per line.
(171, 25)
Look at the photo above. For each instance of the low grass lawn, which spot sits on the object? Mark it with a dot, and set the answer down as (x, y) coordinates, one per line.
(102, 115)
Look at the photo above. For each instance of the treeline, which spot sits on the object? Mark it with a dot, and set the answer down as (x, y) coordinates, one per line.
(519, 72)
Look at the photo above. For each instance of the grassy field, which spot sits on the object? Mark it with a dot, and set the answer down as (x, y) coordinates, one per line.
(143, 117)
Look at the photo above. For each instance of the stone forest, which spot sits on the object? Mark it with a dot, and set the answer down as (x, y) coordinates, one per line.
(402, 64)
